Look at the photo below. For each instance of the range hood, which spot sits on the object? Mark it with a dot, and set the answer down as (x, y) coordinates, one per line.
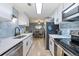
(71, 13)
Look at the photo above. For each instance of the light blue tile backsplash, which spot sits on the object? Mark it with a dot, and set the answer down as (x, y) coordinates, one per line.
(66, 27)
(7, 29)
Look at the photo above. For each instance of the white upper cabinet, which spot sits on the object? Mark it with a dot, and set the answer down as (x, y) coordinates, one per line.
(23, 19)
(5, 12)
(55, 17)
(58, 15)
(66, 5)
(60, 9)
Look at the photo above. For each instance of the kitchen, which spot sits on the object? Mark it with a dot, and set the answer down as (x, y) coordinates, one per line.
(33, 29)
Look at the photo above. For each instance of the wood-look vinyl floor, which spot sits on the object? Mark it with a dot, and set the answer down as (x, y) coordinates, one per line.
(38, 48)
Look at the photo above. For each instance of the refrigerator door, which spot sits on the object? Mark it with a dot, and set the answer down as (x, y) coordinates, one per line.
(51, 28)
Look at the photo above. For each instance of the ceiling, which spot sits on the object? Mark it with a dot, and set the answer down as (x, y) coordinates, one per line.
(47, 9)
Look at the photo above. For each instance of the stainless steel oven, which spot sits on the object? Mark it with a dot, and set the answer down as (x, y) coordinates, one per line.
(75, 36)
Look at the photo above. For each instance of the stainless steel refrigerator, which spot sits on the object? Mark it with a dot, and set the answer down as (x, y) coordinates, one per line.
(50, 28)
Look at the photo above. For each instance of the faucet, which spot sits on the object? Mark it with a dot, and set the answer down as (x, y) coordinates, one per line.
(16, 32)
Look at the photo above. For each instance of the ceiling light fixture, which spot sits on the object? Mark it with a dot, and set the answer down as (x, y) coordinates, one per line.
(14, 20)
(72, 7)
(39, 8)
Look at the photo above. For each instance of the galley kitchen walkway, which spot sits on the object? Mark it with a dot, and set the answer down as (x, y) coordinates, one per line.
(38, 48)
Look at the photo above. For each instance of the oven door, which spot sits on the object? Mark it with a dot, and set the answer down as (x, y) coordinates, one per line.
(75, 39)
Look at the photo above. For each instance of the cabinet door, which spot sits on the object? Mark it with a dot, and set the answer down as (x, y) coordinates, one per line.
(5, 12)
(53, 49)
(56, 17)
(27, 20)
(23, 20)
(51, 45)
(30, 40)
(27, 44)
(25, 47)
(59, 51)
(58, 14)
(60, 9)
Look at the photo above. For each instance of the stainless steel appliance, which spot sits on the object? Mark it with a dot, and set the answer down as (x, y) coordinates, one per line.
(75, 39)
(51, 28)
(71, 13)
(15, 51)
(75, 36)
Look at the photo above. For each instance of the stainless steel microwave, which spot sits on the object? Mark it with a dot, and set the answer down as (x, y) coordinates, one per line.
(71, 13)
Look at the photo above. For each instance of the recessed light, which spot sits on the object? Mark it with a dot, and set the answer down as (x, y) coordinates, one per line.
(39, 8)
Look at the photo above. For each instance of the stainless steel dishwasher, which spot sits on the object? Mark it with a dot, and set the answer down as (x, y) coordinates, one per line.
(15, 51)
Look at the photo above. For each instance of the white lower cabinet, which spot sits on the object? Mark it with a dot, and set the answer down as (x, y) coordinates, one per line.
(51, 45)
(59, 51)
(25, 47)
(22, 48)
(27, 44)
(30, 41)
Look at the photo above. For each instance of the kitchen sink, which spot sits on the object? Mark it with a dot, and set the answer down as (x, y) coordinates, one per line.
(19, 37)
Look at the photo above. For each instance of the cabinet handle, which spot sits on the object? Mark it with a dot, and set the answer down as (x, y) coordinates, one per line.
(27, 44)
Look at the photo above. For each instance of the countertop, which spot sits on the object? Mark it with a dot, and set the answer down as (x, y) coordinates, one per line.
(8, 43)
(59, 36)
(70, 47)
